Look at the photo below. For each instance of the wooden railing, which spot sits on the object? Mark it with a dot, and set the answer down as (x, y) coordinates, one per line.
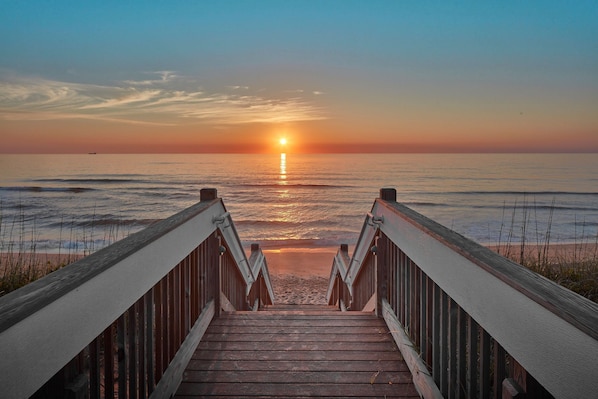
(469, 322)
(124, 321)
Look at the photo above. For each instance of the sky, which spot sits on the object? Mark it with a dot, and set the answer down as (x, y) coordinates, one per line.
(329, 76)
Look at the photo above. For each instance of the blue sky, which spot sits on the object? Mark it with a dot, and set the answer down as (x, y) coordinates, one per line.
(506, 75)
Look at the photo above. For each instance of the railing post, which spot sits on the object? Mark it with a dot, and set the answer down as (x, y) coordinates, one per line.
(381, 273)
(382, 266)
(208, 194)
(215, 261)
(388, 194)
(254, 248)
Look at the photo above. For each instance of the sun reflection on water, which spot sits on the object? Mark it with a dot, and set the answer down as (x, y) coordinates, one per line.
(283, 167)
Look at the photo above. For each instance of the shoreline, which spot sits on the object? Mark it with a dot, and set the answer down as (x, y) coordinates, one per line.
(300, 274)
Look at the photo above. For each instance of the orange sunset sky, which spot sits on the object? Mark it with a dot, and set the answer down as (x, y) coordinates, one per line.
(331, 76)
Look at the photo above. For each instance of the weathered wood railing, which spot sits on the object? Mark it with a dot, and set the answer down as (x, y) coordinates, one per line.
(124, 321)
(470, 323)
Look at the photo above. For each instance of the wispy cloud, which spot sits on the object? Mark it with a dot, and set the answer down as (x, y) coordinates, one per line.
(156, 101)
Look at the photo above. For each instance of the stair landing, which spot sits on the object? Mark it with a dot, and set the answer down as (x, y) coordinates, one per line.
(297, 351)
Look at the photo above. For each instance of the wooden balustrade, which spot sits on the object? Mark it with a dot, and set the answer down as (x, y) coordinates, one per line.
(338, 292)
(124, 321)
(261, 293)
(470, 323)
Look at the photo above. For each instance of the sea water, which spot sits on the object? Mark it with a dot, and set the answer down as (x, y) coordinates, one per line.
(80, 203)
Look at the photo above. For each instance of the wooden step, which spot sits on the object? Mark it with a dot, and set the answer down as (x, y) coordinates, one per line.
(285, 352)
(301, 307)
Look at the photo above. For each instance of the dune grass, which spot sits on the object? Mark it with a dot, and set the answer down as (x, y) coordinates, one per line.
(573, 265)
(20, 261)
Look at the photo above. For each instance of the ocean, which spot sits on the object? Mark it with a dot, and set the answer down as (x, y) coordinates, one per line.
(81, 203)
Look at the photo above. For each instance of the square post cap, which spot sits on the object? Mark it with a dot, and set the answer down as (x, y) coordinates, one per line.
(208, 194)
(388, 194)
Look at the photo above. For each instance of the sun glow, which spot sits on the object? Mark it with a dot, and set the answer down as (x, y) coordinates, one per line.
(283, 141)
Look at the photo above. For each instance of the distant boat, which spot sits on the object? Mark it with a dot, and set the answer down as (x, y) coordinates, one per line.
(92, 153)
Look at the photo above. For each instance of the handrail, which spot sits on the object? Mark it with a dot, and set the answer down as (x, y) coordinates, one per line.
(450, 294)
(368, 232)
(259, 267)
(136, 309)
(229, 234)
(335, 294)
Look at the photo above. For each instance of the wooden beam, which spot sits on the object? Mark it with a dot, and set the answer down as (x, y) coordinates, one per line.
(424, 383)
(173, 376)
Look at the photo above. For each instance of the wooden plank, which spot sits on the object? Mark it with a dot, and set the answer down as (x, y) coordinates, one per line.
(298, 362)
(372, 376)
(293, 354)
(338, 356)
(295, 390)
(320, 330)
(303, 314)
(298, 308)
(238, 336)
(294, 346)
(298, 322)
(294, 396)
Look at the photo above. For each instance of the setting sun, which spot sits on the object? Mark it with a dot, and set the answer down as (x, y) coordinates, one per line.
(283, 141)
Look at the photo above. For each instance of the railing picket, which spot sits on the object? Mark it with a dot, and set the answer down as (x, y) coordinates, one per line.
(94, 369)
(142, 366)
(133, 336)
(423, 316)
(430, 323)
(407, 296)
(162, 324)
(109, 362)
(175, 311)
(170, 319)
(472, 358)
(151, 302)
(436, 335)
(415, 300)
(121, 326)
(401, 293)
(444, 348)
(453, 381)
(485, 363)
(462, 353)
(499, 369)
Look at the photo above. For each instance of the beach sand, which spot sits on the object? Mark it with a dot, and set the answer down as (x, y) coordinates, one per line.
(300, 275)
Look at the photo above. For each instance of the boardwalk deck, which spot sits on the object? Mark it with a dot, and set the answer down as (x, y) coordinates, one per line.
(297, 352)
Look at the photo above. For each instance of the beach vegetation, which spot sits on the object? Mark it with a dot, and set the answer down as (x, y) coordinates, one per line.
(21, 260)
(573, 265)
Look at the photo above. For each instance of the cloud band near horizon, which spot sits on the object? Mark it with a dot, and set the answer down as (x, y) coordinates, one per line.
(171, 100)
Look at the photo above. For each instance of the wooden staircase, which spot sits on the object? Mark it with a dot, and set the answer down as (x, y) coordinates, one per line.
(297, 351)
